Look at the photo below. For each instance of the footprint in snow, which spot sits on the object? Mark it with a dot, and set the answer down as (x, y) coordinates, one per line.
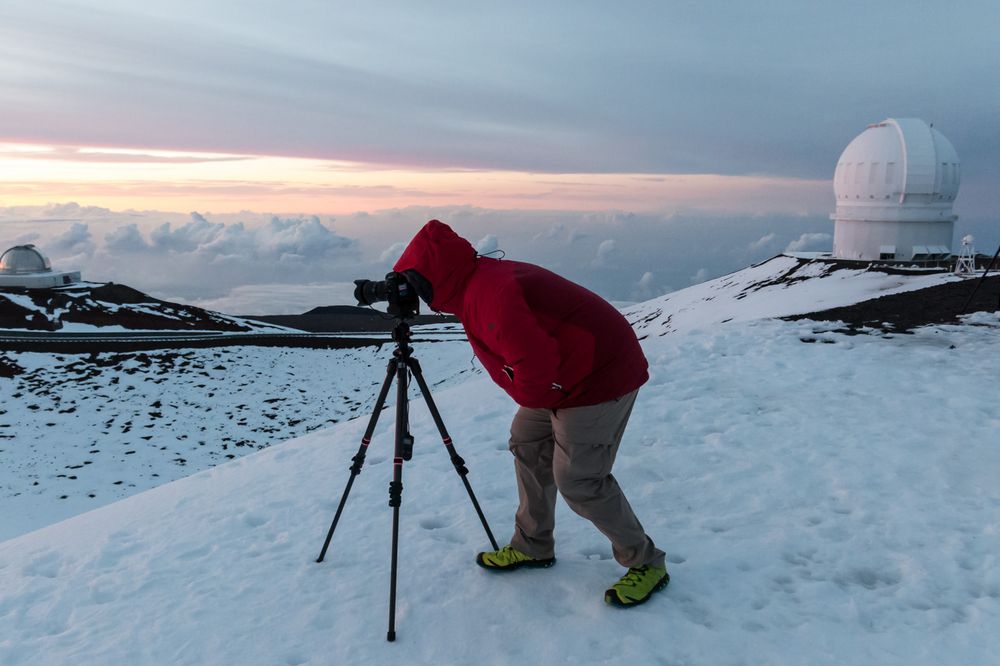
(254, 520)
(195, 553)
(46, 565)
(433, 523)
(118, 547)
(596, 553)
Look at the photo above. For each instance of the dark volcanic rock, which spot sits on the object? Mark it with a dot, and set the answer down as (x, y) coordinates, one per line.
(942, 304)
(9, 368)
(106, 305)
(120, 293)
(340, 310)
(344, 318)
(14, 315)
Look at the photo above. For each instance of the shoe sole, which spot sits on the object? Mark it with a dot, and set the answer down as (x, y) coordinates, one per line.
(612, 599)
(530, 564)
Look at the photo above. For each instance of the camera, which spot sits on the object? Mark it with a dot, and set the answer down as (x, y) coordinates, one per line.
(395, 289)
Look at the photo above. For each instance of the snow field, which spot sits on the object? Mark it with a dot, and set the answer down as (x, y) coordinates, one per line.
(79, 431)
(824, 503)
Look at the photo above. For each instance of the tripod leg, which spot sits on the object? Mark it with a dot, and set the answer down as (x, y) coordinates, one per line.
(359, 457)
(404, 447)
(456, 459)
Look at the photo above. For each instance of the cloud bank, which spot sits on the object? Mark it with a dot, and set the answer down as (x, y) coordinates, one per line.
(251, 263)
(241, 263)
(810, 243)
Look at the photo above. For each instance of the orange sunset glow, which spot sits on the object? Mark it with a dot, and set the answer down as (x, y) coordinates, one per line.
(172, 180)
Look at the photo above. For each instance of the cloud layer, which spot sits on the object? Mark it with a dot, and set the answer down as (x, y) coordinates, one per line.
(250, 263)
(241, 263)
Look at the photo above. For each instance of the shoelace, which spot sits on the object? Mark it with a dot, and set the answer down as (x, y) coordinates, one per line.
(633, 576)
(507, 555)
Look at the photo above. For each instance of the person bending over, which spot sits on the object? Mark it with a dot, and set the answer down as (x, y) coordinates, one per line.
(572, 363)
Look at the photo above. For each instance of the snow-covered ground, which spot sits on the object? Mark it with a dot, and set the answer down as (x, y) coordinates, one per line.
(824, 503)
(782, 286)
(79, 431)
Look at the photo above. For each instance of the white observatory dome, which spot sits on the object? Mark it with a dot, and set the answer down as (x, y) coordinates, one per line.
(900, 162)
(22, 259)
(25, 267)
(895, 186)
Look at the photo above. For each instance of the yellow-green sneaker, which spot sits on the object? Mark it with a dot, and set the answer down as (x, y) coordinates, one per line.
(637, 586)
(509, 558)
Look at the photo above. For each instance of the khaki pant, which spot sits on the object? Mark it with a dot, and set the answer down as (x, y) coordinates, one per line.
(572, 450)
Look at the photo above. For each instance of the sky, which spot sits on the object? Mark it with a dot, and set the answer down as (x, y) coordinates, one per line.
(699, 128)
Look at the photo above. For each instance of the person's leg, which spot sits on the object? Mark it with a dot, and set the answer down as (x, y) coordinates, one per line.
(531, 444)
(586, 442)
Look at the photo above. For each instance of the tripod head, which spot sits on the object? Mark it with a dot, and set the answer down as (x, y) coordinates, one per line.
(401, 333)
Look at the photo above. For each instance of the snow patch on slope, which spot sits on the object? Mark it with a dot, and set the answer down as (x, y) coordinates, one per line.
(782, 286)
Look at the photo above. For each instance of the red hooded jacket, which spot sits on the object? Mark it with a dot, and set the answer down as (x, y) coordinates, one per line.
(548, 342)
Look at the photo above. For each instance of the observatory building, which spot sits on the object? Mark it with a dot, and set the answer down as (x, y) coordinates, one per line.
(26, 267)
(895, 185)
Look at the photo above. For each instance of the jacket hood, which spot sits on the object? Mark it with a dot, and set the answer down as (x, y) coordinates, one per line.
(444, 259)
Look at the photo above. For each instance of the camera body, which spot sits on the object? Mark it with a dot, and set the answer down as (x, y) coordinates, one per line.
(402, 297)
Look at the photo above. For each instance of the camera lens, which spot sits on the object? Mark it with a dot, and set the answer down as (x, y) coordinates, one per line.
(367, 292)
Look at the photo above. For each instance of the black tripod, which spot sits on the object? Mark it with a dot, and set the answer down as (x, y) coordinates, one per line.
(402, 363)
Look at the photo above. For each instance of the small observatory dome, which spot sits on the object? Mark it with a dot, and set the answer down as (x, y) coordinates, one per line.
(22, 259)
(895, 186)
(25, 267)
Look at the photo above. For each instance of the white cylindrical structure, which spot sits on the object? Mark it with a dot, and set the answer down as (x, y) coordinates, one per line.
(895, 185)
